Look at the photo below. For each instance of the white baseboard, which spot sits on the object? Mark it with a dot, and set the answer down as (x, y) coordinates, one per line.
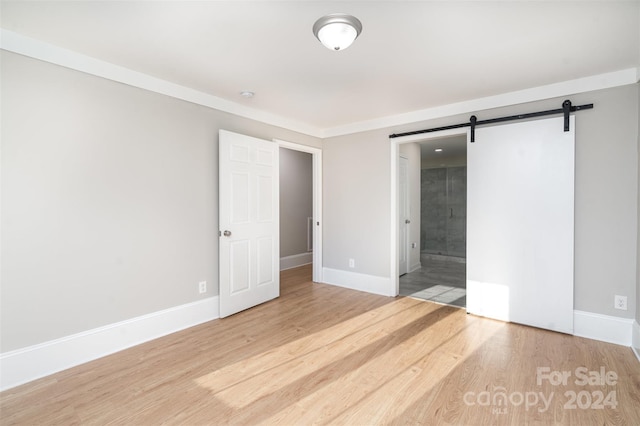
(635, 339)
(356, 281)
(295, 260)
(33, 362)
(415, 267)
(603, 327)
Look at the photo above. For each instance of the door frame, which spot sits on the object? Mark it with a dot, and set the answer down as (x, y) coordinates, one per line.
(403, 235)
(394, 279)
(316, 154)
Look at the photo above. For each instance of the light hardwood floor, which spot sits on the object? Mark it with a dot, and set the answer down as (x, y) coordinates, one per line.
(321, 354)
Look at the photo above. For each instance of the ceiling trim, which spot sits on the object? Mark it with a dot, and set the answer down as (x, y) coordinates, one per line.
(17, 43)
(565, 88)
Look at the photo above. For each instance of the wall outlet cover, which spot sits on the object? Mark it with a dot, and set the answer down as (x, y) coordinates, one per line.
(620, 302)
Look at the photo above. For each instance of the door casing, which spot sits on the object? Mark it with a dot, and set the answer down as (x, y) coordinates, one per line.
(316, 154)
(394, 280)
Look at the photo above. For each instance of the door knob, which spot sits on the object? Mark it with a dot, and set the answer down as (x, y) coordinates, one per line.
(407, 221)
(227, 233)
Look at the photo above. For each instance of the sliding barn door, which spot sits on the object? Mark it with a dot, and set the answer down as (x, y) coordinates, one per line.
(520, 222)
(249, 222)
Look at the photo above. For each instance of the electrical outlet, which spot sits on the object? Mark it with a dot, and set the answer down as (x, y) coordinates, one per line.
(620, 302)
(352, 263)
(202, 287)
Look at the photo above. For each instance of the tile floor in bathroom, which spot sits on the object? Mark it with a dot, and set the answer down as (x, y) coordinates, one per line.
(438, 280)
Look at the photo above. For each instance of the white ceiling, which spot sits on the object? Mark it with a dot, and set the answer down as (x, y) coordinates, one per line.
(411, 55)
(454, 148)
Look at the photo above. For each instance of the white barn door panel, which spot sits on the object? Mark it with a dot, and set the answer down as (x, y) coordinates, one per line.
(249, 222)
(520, 223)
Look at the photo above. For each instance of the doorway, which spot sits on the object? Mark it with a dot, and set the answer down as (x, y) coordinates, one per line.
(520, 222)
(440, 275)
(309, 241)
(296, 209)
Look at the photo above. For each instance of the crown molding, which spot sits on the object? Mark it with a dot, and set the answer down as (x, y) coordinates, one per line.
(565, 88)
(17, 43)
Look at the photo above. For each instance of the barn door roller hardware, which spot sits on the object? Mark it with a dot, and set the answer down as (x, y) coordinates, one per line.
(566, 109)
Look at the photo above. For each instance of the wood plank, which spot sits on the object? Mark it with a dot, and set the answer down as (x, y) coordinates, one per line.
(327, 355)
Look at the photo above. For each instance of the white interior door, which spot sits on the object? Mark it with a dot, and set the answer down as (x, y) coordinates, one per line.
(403, 215)
(520, 223)
(249, 222)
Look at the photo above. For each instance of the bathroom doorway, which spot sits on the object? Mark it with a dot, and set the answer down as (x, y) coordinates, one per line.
(441, 274)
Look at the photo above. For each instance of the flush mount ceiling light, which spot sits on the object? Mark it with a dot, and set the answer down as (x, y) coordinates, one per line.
(337, 31)
(247, 94)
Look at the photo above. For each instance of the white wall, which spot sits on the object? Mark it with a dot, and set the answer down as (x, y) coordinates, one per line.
(109, 200)
(356, 203)
(606, 200)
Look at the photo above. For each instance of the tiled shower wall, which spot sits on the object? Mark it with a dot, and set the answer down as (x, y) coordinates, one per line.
(443, 225)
